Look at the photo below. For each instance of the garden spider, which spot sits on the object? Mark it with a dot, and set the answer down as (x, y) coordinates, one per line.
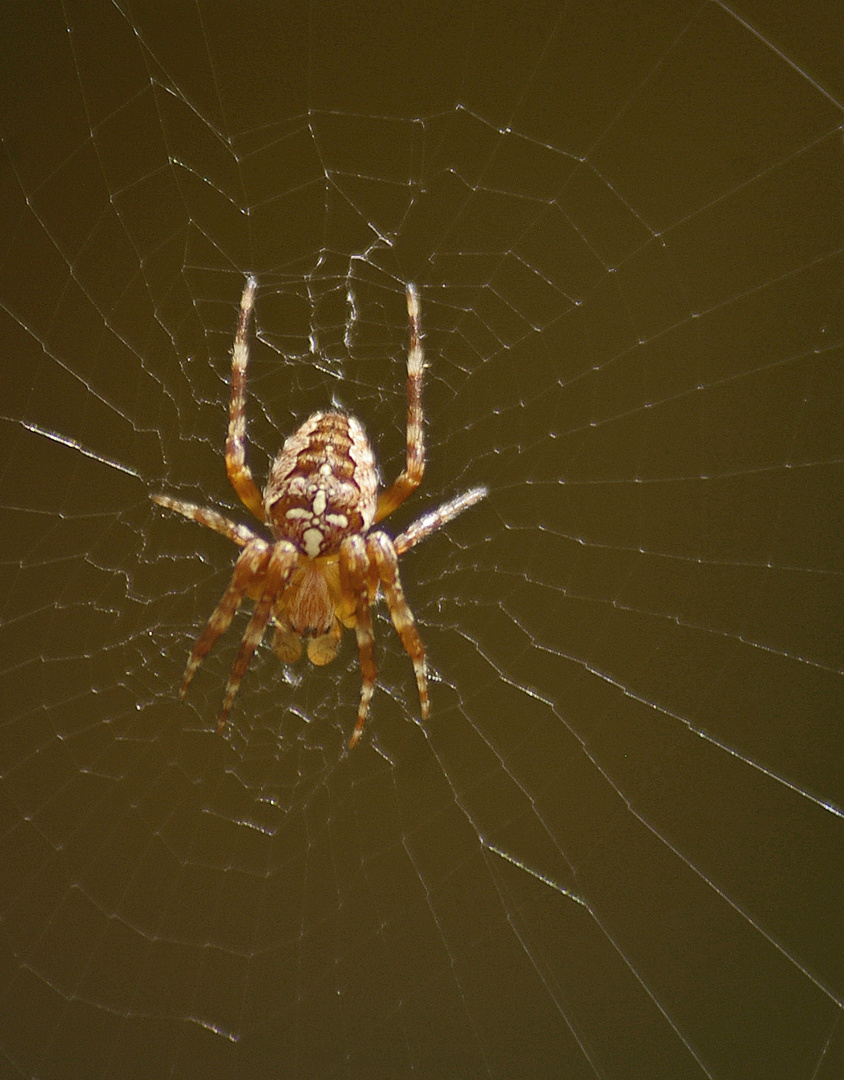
(325, 564)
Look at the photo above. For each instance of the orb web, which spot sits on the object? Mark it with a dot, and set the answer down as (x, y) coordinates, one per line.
(612, 850)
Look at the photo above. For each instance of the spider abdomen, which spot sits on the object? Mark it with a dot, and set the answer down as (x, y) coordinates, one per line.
(323, 485)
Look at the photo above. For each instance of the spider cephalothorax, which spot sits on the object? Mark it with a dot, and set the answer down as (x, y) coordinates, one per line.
(324, 566)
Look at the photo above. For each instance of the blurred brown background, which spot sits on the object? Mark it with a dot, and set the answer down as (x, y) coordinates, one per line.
(615, 850)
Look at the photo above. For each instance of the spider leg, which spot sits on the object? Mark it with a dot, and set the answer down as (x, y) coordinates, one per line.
(281, 564)
(250, 565)
(355, 585)
(411, 476)
(237, 469)
(382, 554)
(211, 519)
(435, 519)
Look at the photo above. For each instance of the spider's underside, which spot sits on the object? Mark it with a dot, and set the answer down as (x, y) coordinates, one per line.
(325, 564)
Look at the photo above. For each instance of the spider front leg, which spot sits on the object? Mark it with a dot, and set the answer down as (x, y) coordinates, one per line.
(250, 565)
(261, 568)
(357, 588)
(383, 557)
(280, 565)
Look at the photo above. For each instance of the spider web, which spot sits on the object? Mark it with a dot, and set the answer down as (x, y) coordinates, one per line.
(615, 848)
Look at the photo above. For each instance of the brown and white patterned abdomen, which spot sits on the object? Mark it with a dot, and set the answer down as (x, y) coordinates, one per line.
(323, 485)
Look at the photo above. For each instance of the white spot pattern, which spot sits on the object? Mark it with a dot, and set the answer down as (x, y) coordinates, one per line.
(313, 540)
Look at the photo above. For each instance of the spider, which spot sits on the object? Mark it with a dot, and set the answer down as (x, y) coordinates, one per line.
(324, 565)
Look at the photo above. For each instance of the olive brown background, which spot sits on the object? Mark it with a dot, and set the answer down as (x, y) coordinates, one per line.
(615, 848)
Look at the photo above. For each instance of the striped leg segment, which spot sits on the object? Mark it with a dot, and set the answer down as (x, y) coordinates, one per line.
(279, 566)
(211, 519)
(383, 557)
(237, 468)
(411, 477)
(354, 583)
(435, 519)
(250, 566)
